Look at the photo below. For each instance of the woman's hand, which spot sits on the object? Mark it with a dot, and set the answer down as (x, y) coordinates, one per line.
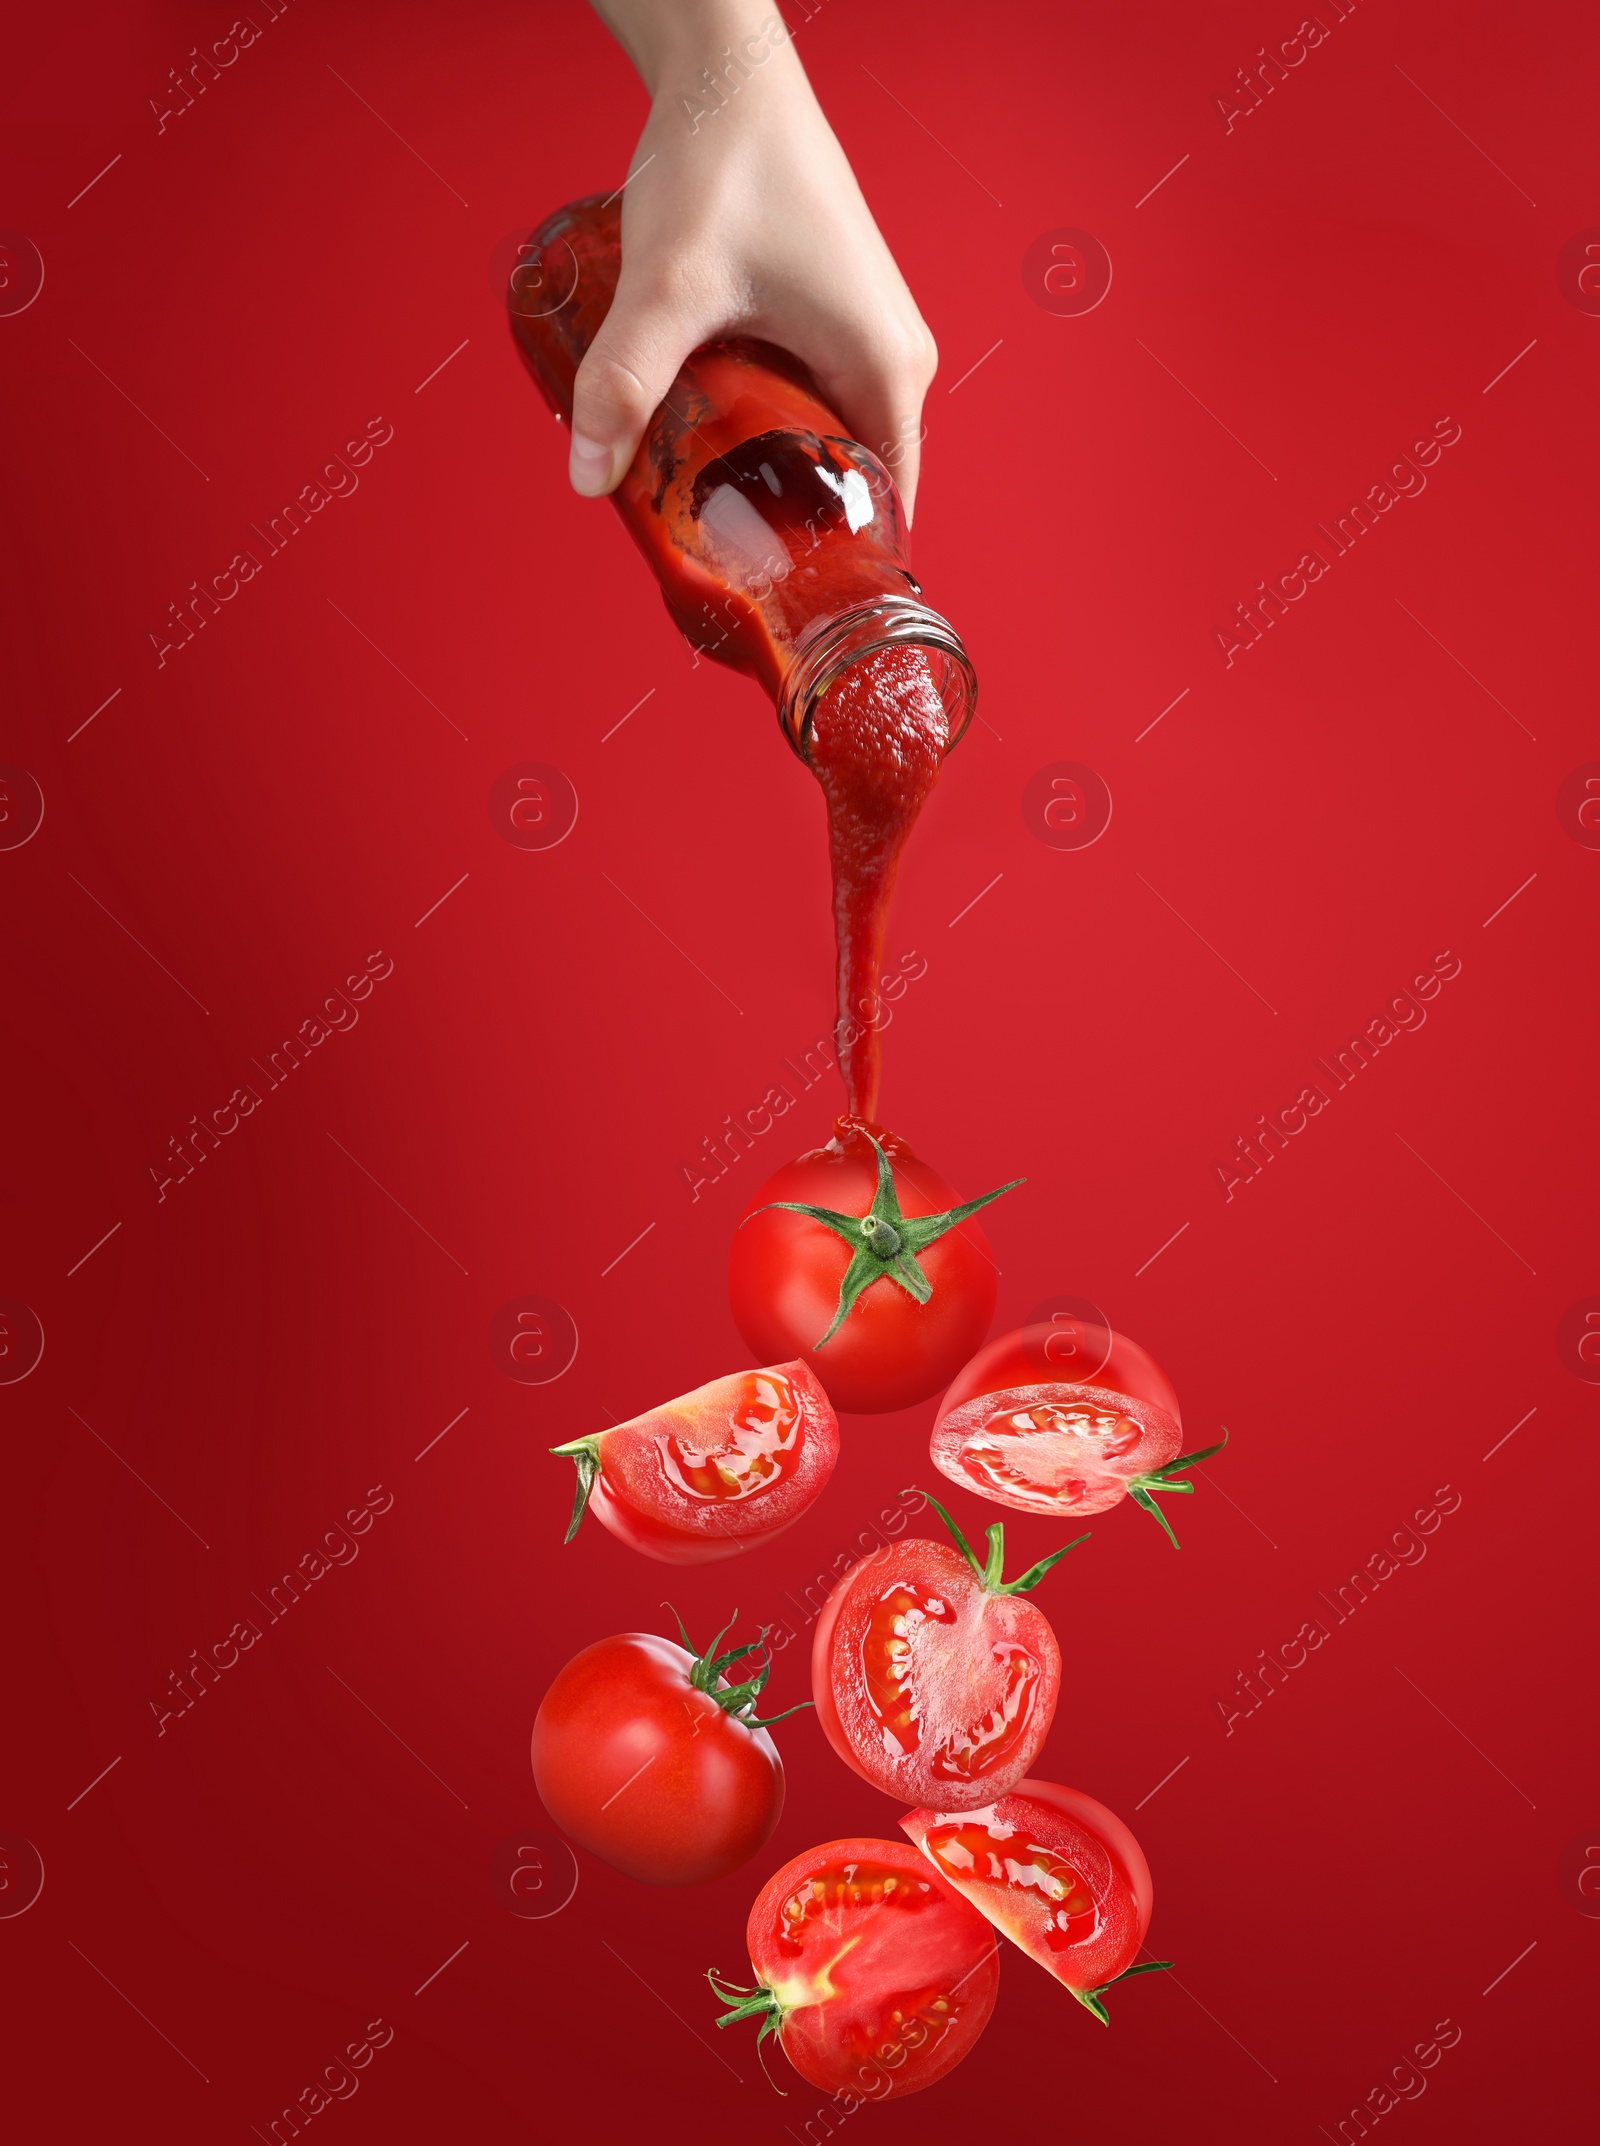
(742, 217)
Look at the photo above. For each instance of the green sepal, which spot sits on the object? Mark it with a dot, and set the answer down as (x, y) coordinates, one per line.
(757, 2003)
(584, 1453)
(740, 1700)
(917, 1232)
(989, 1572)
(1035, 1573)
(1091, 1999)
(1183, 1463)
(1142, 1497)
(884, 1242)
(1169, 1481)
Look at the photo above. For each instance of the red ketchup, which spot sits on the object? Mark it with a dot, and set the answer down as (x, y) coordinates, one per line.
(780, 547)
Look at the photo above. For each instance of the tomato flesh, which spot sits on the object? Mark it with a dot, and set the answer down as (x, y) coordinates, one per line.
(784, 1272)
(884, 1975)
(927, 1686)
(731, 1464)
(1055, 1871)
(651, 1775)
(1053, 1449)
(1017, 1432)
(759, 1443)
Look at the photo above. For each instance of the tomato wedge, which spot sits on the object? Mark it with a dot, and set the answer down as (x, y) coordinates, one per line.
(933, 1679)
(1013, 1430)
(1058, 1873)
(874, 1974)
(713, 1472)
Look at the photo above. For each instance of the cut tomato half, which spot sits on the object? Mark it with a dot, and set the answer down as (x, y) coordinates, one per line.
(933, 1678)
(1014, 1431)
(1057, 1353)
(1054, 1871)
(875, 1975)
(713, 1472)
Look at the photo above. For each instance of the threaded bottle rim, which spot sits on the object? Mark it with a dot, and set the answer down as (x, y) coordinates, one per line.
(828, 646)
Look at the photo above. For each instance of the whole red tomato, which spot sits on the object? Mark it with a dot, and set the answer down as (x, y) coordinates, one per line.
(1058, 1873)
(651, 1757)
(707, 1475)
(934, 1679)
(858, 1259)
(1017, 1428)
(875, 1975)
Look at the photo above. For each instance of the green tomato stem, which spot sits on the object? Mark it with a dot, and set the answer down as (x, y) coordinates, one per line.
(989, 1572)
(884, 1243)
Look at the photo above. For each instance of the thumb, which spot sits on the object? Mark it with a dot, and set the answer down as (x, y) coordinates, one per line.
(625, 374)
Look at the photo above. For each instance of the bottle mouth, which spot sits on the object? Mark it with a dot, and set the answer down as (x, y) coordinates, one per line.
(828, 647)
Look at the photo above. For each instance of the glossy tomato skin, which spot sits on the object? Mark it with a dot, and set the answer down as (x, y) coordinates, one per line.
(649, 1774)
(784, 1272)
(1073, 1353)
(886, 1976)
(1052, 1869)
(719, 1470)
(1013, 1430)
(928, 1687)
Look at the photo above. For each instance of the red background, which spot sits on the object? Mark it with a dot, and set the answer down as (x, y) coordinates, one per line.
(1364, 1855)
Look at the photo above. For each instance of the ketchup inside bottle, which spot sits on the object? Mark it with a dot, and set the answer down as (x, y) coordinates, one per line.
(780, 547)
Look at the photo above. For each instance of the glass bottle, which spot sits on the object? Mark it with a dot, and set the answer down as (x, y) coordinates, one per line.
(779, 543)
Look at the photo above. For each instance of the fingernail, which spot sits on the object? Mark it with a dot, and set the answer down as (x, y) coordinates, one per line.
(588, 466)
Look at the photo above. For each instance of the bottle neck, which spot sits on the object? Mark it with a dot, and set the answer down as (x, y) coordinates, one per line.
(828, 646)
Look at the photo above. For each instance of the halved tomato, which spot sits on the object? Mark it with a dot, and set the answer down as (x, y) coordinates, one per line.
(713, 1472)
(875, 1975)
(1015, 1431)
(1058, 1873)
(933, 1679)
(1064, 1351)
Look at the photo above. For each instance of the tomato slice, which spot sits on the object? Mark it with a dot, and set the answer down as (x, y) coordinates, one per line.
(1056, 1872)
(929, 1685)
(1017, 1432)
(875, 1974)
(705, 1476)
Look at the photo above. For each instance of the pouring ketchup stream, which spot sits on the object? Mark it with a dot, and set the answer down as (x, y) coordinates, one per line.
(780, 547)
(876, 743)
